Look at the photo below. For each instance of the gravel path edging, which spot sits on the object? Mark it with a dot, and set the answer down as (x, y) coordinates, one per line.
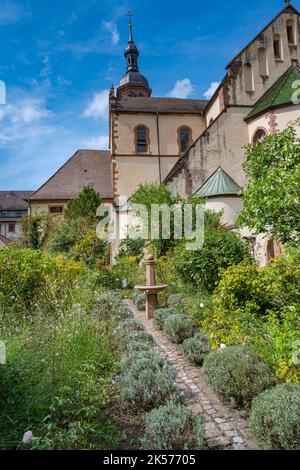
(224, 428)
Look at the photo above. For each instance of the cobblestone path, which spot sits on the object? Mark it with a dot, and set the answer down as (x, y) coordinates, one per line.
(224, 428)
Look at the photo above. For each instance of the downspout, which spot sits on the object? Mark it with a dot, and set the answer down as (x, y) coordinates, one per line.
(158, 146)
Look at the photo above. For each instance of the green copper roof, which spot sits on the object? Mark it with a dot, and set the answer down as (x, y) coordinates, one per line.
(219, 184)
(279, 94)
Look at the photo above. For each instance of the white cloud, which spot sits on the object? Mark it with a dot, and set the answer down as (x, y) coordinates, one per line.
(210, 91)
(10, 12)
(98, 106)
(182, 89)
(111, 28)
(26, 118)
(97, 143)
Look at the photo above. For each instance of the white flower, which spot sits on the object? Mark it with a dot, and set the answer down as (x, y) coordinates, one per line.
(223, 346)
(27, 438)
(201, 305)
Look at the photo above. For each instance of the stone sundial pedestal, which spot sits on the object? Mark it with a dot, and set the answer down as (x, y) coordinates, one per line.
(151, 288)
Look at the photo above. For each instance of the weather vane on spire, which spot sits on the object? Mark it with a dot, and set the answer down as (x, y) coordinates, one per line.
(130, 15)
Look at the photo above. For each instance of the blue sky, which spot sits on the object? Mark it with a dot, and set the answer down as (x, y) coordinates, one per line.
(59, 58)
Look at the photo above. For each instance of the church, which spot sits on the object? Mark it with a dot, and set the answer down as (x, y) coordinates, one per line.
(194, 146)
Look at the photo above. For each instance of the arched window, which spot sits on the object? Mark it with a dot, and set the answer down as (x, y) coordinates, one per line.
(290, 32)
(141, 139)
(263, 62)
(277, 47)
(259, 137)
(248, 77)
(184, 138)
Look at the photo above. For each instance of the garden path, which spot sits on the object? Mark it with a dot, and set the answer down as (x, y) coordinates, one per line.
(224, 427)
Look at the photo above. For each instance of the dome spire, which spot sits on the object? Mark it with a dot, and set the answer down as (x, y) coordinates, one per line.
(133, 83)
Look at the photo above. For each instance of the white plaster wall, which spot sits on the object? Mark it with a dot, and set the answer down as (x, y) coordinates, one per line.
(10, 235)
(231, 206)
(214, 110)
(283, 116)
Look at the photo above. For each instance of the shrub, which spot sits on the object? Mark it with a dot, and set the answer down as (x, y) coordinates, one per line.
(275, 420)
(179, 327)
(161, 314)
(175, 300)
(36, 229)
(173, 427)
(127, 268)
(108, 304)
(124, 313)
(237, 374)
(222, 248)
(85, 205)
(122, 331)
(196, 348)
(64, 236)
(132, 247)
(147, 381)
(139, 299)
(260, 306)
(136, 346)
(140, 336)
(28, 277)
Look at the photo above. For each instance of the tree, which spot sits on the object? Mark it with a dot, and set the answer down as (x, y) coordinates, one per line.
(272, 197)
(149, 194)
(85, 205)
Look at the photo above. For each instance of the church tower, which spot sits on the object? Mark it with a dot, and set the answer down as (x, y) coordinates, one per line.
(133, 83)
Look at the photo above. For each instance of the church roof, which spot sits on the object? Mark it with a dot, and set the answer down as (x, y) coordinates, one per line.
(162, 105)
(85, 167)
(219, 184)
(278, 95)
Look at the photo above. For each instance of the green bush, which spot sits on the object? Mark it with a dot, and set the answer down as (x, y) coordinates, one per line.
(237, 374)
(161, 314)
(137, 336)
(139, 299)
(173, 427)
(124, 313)
(147, 381)
(127, 269)
(30, 277)
(179, 327)
(132, 247)
(175, 300)
(275, 418)
(138, 346)
(124, 328)
(222, 248)
(63, 237)
(260, 307)
(196, 348)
